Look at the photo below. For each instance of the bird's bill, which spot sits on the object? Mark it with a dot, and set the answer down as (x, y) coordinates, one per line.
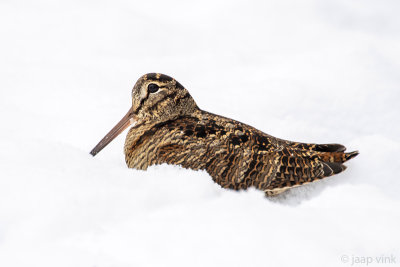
(124, 123)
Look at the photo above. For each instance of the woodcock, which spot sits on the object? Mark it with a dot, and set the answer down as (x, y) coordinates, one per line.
(168, 127)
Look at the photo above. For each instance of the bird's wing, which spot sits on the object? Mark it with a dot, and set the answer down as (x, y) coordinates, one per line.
(202, 145)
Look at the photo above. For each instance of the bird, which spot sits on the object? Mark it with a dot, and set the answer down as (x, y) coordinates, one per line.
(169, 127)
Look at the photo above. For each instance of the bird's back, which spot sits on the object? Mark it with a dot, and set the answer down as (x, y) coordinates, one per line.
(236, 155)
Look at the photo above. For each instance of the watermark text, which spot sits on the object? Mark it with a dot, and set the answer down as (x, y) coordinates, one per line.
(354, 260)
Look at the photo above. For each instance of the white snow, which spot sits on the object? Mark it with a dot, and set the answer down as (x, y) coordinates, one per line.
(312, 71)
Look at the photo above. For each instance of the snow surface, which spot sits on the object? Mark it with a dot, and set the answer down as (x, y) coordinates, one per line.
(312, 71)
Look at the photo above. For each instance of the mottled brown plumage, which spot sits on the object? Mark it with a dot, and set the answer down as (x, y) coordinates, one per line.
(170, 128)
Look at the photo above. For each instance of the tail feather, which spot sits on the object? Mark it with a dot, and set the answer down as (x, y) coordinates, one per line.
(339, 157)
(331, 168)
(319, 147)
(351, 155)
(330, 148)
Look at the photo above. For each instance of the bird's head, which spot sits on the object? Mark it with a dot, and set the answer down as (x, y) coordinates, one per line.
(155, 98)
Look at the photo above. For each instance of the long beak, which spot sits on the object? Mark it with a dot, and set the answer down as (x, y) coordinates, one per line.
(124, 123)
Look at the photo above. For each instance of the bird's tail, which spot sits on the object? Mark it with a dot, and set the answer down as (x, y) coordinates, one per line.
(328, 152)
(332, 157)
(313, 162)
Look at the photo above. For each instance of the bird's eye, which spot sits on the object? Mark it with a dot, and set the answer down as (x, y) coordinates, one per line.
(153, 88)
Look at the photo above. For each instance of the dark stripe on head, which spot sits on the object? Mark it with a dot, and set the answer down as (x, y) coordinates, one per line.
(160, 77)
(163, 78)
